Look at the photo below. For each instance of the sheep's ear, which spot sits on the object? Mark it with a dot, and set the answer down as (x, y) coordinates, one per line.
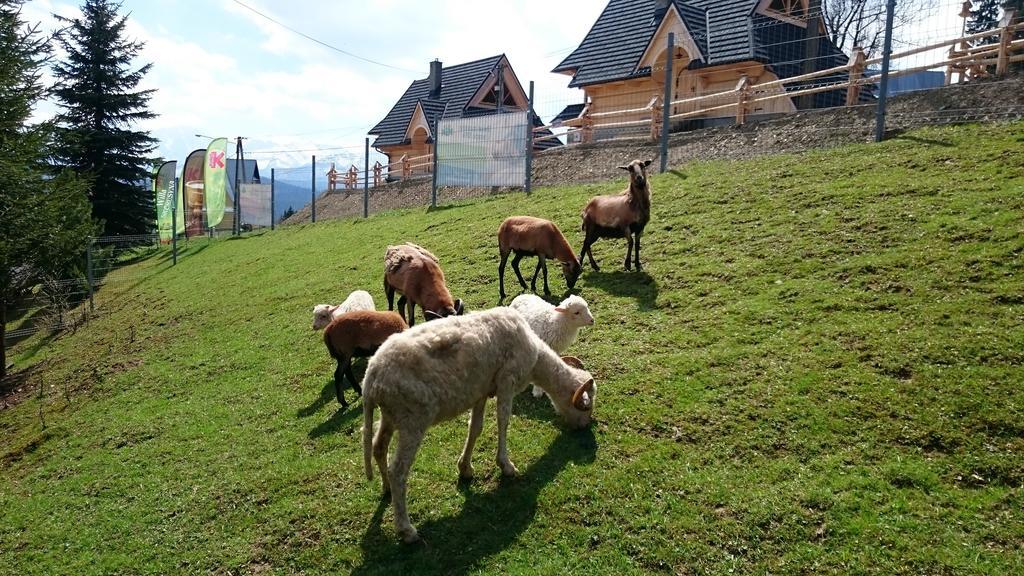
(459, 307)
(560, 309)
(573, 361)
(431, 315)
(623, 167)
(647, 163)
(582, 397)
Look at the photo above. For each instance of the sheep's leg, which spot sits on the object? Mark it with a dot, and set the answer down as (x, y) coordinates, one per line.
(504, 415)
(501, 275)
(408, 443)
(381, 442)
(389, 291)
(629, 249)
(588, 251)
(476, 424)
(401, 308)
(637, 253)
(541, 264)
(515, 267)
(339, 375)
(412, 313)
(352, 379)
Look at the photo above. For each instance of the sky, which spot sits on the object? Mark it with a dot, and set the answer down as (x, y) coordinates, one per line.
(220, 69)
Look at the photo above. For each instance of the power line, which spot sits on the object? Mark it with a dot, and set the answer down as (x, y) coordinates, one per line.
(320, 42)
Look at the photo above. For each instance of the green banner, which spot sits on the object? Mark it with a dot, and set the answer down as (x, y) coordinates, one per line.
(163, 187)
(215, 180)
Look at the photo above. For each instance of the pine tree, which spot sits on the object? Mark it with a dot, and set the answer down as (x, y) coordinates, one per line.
(984, 16)
(45, 218)
(97, 90)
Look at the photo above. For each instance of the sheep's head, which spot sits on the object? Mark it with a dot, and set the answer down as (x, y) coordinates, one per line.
(571, 270)
(456, 309)
(637, 172)
(575, 311)
(322, 315)
(577, 410)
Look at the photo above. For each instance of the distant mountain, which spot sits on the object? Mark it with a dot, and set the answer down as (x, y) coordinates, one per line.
(289, 195)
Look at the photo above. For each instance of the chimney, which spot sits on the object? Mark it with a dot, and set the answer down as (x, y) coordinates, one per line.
(435, 79)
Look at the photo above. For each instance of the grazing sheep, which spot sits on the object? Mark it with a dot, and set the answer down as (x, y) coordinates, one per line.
(357, 334)
(619, 215)
(558, 325)
(324, 313)
(529, 236)
(416, 274)
(438, 370)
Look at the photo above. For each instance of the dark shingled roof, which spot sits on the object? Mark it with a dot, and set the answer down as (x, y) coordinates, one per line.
(724, 31)
(458, 85)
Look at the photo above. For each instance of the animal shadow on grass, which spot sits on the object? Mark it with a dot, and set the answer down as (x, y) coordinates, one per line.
(341, 416)
(488, 523)
(638, 285)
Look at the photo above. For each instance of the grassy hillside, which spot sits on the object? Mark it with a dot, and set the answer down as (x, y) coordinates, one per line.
(819, 371)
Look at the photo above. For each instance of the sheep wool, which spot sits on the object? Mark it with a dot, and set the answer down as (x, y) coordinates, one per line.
(558, 325)
(358, 300)
(439, 370)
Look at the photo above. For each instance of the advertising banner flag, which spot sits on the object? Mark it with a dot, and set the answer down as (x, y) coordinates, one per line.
(192, 186)
(215, 181)
(163, 186)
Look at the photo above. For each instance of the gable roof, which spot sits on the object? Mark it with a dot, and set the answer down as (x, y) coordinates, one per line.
(724, 31)
(459, 83)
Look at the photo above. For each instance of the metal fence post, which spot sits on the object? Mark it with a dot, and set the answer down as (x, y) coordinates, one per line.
(366, 180)
(272, 198)
(313, 191)
(88, 272)
(884, 85)
(437, 141)
(667, 104)
(174, 225)
(529, 142)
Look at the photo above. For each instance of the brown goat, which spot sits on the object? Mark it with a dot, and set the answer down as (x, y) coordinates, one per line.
(415, 273)
(357, 334)
(619, 215)
(529, 236)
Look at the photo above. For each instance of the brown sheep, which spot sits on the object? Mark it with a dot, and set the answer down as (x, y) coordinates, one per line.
(619, 215)
(357, 334)
(529, 236)
(416, 274)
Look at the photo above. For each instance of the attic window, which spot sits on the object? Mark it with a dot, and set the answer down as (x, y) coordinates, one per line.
(492, 98)
(791, 8)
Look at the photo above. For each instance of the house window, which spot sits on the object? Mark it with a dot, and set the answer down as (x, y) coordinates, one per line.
(492, 98)
(791, 8)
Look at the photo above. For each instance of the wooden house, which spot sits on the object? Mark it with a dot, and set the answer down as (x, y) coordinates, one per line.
(487, 86)
(620, 64)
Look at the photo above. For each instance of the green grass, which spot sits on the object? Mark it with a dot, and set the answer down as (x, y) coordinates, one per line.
(819, 371)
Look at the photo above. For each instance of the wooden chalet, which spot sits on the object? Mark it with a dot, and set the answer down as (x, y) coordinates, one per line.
(621, 62)
(487, 86)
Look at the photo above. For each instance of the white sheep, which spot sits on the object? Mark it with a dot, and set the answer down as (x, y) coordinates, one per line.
(358, 300)
(558, 325)
(438, 370)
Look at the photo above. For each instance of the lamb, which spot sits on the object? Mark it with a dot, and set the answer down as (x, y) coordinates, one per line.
(324, 313)
(416, 274)
(436, 371)
(619, 215)
(558, 325)
(357, 334)
(529, 236)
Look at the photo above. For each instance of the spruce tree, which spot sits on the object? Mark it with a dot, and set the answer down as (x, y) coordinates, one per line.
(984, 16)
(97, 88)
(45, 217)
